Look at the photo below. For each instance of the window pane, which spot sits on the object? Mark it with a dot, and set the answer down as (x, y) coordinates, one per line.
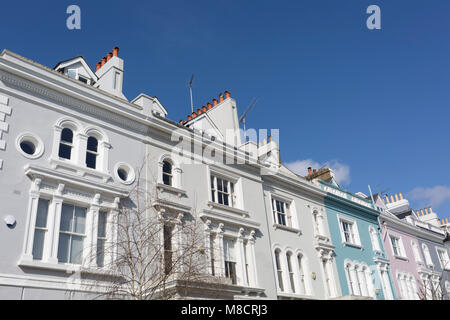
(63, 247)
(225, 199)
(228, 248)
(100, 252)
(41, 216)
(66, 217)
(91, 160)
(38, 244)
(167, 180)
(76, 250)
(80, 219)
(167, 167)
(67, 135)
(101, 233)
(220, 198)
(64, 151)
(92, 144)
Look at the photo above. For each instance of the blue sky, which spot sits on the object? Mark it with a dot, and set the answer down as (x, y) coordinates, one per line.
(373, 104)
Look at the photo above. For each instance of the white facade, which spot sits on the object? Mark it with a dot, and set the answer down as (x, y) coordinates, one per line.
(71, 146)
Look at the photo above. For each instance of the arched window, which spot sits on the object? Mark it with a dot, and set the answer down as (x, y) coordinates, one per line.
(279, 270)
(416, 251)
(426, 253)
(351, 285)
(290, 271)
(167, 173)
(66, 144)
(301, 272)
(92, 152)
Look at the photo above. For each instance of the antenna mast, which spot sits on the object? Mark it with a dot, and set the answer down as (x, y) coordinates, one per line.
(190, 90)
(242, 118)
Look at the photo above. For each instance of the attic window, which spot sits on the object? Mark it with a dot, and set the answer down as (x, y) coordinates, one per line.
(83, 79)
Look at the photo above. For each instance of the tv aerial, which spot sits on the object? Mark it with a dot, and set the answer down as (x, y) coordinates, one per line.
(190, 91)
(244, 116)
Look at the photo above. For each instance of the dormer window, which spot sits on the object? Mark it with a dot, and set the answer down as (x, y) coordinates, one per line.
(83, 79)
(92, 152)
(66, 144)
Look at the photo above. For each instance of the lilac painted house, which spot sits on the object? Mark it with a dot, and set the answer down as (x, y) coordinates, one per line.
(407, 240)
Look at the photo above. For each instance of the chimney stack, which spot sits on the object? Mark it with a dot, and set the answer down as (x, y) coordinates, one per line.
(98, 66)
(115, 51)
(221, 97)
(215, 102)
(103, 61)
(227, 94)
(309, 171)
(209, 105)
(401, 196)
(108, 56)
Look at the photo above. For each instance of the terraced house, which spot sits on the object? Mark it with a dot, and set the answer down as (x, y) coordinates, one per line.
(361, 261)
(77, 157)
(415, 245)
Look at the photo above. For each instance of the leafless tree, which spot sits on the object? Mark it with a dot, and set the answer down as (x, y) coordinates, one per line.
(156, 253)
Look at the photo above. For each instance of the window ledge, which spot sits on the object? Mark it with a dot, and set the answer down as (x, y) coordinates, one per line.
(164, 187)
(82, 171)
(354, 245)
(286, 228)
(401, 257)
(294, 295)
(227, 208)
(68, 268)
(320, 237)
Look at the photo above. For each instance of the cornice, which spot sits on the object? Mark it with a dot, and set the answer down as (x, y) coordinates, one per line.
(404, 226)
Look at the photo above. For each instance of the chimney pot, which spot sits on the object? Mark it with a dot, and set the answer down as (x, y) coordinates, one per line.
(109, 56)
(227, 94)
(115, 51)
(98, 66)
(220, 97)
(396, 197)
(400, 195)
(215, 102)
(199, 111)
(103, 61)
(426, 210)
(314, 170)
(194, 115)
(386, 199)
(209, 105)
(204, 109)
(446, 220)
(421, 212)
(189, 117)
(309, 171)
(431, 210)
(392, 198)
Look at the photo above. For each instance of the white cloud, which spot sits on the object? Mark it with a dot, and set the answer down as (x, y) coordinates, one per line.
(434, 196)
(341, 171)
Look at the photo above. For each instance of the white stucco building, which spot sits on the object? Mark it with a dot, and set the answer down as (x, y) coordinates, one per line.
(71, 145)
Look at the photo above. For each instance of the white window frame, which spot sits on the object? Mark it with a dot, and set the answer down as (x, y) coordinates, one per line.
(233, 194)
(374, 240)
(288, 211)
(56, 197)
(176, 173)
(427, 256)
(354, 230)
(402, 253)
(79, 147)
(444, 264)
(416, 252)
